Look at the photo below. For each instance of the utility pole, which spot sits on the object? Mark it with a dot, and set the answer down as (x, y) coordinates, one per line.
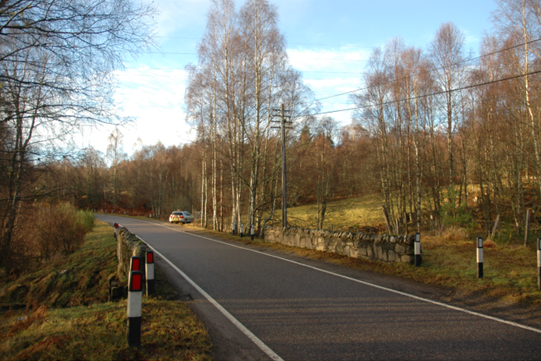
(283, 124)
(284, 167)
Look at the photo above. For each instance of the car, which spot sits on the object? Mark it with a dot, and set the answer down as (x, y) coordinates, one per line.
(181, 217)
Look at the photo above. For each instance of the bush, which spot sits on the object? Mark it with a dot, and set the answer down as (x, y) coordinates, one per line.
(60, 229)
(87, 219)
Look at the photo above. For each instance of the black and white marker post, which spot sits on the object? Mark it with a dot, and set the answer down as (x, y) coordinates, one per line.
(417, 249)
(234, 227)
(241, 229)
(539, 263)
(479, 257)
(149, 268)
(135, 304)
(252, 232)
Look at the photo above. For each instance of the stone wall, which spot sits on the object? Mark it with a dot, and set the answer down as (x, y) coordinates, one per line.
(357, 245)
(128, 245)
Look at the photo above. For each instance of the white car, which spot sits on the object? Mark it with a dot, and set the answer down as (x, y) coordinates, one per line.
(181, 217)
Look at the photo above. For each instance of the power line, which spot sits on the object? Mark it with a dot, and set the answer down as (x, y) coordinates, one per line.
(314, 44)
(425, 72)
(431, 94)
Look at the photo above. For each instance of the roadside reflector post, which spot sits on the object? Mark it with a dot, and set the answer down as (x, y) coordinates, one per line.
(116, 225)
(149, 268)
(135, 304)
(135, 264)
(241, 229)
(234, 228)
(539, 263)
(479, 257)
(252, 232)
(417, 249)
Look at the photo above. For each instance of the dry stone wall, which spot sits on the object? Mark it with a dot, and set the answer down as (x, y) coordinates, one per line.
(128, 246)
(378, 247)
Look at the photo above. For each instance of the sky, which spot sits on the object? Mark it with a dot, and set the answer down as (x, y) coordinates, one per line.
(329, 41)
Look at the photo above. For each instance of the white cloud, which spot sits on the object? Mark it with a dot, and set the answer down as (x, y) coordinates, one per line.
(154, 97)
(178, 14)
(346, 59)
(332, 72)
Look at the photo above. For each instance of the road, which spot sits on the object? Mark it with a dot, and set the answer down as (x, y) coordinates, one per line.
(297, 309)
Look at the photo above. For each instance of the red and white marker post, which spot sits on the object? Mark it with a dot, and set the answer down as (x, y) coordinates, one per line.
(149, 268)
(135, 264)
(116, 225)
(135, 304)
(479, 257)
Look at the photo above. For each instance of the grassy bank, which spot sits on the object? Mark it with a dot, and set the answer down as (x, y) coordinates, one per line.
(60, 311)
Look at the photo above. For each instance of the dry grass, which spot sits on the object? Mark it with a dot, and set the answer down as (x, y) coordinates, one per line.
(352, 212)
(92, 329)
(98, 332)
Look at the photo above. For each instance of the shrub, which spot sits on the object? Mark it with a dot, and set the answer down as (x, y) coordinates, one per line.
(60, 229)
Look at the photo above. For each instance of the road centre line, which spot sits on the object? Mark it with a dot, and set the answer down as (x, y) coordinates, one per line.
(511, 323)
(267, 350)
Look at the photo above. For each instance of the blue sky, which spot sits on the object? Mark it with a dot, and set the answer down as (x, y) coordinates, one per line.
(328, 41)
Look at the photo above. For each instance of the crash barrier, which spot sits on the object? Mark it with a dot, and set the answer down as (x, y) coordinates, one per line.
(379, 247)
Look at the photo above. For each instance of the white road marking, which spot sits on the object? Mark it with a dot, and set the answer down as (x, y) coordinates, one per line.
(371, 284)
(231, 318)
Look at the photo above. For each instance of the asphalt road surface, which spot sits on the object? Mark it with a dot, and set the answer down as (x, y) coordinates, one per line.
(277, 307)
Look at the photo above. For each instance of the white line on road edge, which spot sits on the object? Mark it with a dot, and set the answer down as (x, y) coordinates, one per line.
(266, 349)
(511, 323)
(367, 283)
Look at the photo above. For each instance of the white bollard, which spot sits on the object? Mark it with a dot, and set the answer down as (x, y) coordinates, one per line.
(479, 257)
(417, 249)
(539, 263)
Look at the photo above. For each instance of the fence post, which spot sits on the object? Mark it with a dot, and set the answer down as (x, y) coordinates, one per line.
(135, 304)
(479, 257)
(150, 273)
(418, 257)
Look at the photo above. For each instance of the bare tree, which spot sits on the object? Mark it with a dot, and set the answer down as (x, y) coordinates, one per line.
(56, 73)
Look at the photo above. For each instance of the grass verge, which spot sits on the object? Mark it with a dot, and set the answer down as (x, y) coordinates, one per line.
(66, 316)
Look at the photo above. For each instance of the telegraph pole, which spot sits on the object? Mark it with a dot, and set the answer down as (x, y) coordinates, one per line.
(283, 125)
(284, 168)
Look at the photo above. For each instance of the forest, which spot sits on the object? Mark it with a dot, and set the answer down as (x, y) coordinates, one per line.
(445, 137)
